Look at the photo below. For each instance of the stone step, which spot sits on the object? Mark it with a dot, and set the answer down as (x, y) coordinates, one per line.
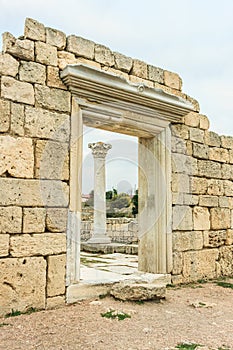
(110, 248)
(131, 291)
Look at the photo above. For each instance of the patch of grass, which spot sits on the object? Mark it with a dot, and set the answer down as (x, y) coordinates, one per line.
(102, 296)
(187, 346)
(225, 284)
(223, 348)
(4, 324)
(87, 261)
(202, 281)
(139, 302)
(113, 314)
(15, 313)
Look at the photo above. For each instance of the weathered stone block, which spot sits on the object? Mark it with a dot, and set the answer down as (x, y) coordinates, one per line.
(56, 219)
(8, 65)
(184, 164)
(34, 30)
(104, 55)
(10, 219)
(30, 245)
(178, 145)
(209, 168)
(187, 240)
(200, 264)
(52, 98)
(219, 154)
(56, 38)
(180, 130)
(198, 185)
(208, 201)
(215, 187)
(177, 263)
(4, 115)
(172, 80)
(22, 284)
(52, 160)
(4, 245)
(204, 122)
(16, 156)
(65, 58)
(182, 218)
(201, 218)
(200, 151)
(23, 49)
(32, 72)
(212, 139)
(220, 218)
(196, 135)
(80, 46)
(156, 74)
(123, 62)
(139, 69)
(46, 124)
(33, 220)
(18, 91)
(231, 156)
(180, 183)
(224, 202)
(227, 142)
(46, 54)
(138, 291)
(56, 275)
(53, 78)
(228, 188)
(227, 171)
(17, 119)
(215, 239)
(55, 302)
(192, 119)
(226, 258)
(21, 192)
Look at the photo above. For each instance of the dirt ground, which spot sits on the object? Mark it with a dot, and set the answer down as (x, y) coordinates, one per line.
(199, 314)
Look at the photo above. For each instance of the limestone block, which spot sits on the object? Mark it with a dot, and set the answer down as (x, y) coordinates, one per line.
(215, 187)
(178, 145)
(34, 30)
(227, 142)
(52, 98)
(56, 219)
(226, 258)
(201, 218)
(4, 115)
(123, 62)
(23, 49)
(224, 202)
(180, 183)
(196, 135)
(44, 244)
(199, 264)
(201, 151)
(215, 239)
(231, 156)
(18, 91)
(8, 65)
(65, 58)
(227, 171)
(17, 119)
(32, 72)
(204, 122)
(22, 284)
(172, 80)
(33, 220)
(138, 291)
(182, 218)
(177, 263)
(212, 139)
(198, 185)
(209, 168)
(219, 154)
(190, 199)
(156, 74)
(139, 69)
(220, 218)
(184, 164)
(192, 119)
(187, 240)
(55, 302)
(80, 46)
(46, 124)
(4, 245)
(229, 237)
(56, 38)
(208, 201)
(180, 130)
(51, 160)
(53, 78)
(177, 279)
(228, 188)
(46, 54)
(21, 192)
(10, 219)
(16, 156)
(104, 55)
(56, 275)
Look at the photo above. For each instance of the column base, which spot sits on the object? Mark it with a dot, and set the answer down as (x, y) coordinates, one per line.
(99, 240)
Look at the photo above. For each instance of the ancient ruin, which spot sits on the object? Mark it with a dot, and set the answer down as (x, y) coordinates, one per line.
(52, 85)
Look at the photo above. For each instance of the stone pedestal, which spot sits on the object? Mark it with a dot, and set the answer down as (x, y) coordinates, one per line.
(99, 151)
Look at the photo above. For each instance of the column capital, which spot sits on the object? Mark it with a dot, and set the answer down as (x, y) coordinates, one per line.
(99, 149)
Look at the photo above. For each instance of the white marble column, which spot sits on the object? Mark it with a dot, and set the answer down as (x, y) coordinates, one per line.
(99, 151)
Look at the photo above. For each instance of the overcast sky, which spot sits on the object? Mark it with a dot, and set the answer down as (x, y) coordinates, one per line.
(191, 37)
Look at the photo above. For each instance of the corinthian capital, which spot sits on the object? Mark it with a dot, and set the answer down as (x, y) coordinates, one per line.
(99, 149)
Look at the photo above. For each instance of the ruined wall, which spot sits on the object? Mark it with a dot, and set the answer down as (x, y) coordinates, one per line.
(35, 111)
(202, 186)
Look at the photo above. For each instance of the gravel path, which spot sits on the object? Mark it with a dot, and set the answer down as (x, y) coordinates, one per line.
(200, 314)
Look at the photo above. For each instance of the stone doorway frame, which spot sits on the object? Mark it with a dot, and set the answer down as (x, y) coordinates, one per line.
(108, 101)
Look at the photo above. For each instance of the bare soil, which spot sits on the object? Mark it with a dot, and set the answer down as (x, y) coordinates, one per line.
(200, 314)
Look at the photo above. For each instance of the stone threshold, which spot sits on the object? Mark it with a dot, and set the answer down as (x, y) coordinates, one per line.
(110, 248)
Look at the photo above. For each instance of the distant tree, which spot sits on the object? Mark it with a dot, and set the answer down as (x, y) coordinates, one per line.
(114, 191)
(109, 195)
(134, 200)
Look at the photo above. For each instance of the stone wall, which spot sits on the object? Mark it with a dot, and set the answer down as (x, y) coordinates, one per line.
(35, 111)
